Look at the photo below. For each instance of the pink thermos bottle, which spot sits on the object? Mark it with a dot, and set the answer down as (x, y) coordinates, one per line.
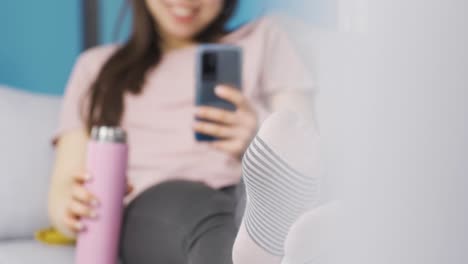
(107, 156)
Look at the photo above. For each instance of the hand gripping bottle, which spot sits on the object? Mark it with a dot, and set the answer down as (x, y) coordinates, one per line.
(107, 156)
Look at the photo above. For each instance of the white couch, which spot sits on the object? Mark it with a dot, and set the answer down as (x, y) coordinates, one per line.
(27, 122)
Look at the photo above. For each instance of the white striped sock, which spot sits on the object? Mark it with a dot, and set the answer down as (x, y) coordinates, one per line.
(281, 182)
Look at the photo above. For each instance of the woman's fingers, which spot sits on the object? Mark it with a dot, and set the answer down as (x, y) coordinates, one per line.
(217, 115)
(130, 189)
(79, 193)
(232, 95)
(80, 210)
(73, 224)
(234, 129)
(215, 130)
(81, 177)
(75, 212)
(234, 147)
(82, 203)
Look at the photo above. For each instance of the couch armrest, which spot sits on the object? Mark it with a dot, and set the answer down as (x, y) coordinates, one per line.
(27, 122)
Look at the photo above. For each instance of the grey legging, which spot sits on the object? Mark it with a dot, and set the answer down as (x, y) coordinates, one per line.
(180, 222)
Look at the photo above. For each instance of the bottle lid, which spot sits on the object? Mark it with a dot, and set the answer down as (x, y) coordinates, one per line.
(108, 134)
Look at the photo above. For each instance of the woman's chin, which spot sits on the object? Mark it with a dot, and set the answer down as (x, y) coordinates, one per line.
(183, 30)
(183, 35)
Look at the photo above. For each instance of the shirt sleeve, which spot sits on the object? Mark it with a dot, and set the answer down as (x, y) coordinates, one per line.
(71, 115)
(283, 68)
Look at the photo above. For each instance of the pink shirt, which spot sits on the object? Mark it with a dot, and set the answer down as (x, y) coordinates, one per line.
(159, 121)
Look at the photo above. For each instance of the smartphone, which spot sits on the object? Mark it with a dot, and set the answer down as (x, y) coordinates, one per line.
(216, 64)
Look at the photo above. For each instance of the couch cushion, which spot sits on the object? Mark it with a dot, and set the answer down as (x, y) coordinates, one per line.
(31, 252)
(27, 122)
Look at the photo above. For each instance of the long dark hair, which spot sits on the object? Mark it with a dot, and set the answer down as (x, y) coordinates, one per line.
(126, 69)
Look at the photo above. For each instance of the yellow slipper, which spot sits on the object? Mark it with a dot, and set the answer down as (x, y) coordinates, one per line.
(51, 236)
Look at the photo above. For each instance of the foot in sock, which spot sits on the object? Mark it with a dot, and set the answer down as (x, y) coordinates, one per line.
(313, 238)
(280, 170)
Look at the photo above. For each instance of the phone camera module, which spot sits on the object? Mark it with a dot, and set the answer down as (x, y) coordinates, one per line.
(209, 66)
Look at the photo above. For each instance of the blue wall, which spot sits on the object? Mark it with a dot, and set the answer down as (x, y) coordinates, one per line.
(38, 43)
(39, 40)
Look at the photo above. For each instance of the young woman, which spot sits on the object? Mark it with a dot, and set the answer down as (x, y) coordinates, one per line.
(182, 206)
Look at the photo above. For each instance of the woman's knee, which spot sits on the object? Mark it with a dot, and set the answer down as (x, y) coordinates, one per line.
(158, 222)
(152, 226)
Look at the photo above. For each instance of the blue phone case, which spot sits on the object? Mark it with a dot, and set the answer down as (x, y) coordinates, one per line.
(228, 71)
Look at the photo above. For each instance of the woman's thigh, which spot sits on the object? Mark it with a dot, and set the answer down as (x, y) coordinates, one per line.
(179, 222)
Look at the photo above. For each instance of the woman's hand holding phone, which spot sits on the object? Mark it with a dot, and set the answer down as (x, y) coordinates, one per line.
(235, 129)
